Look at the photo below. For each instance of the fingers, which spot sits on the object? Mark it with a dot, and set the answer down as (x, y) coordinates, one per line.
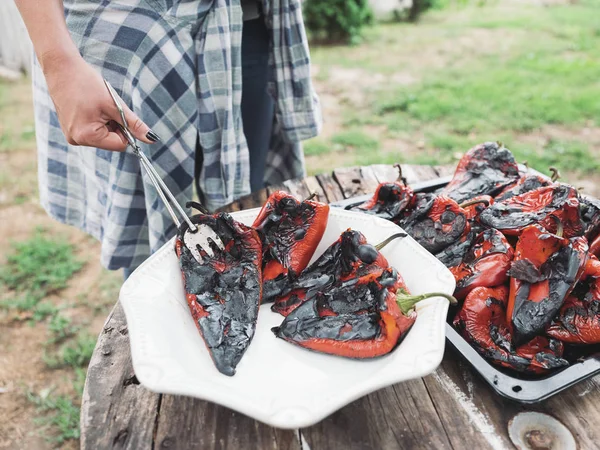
(101, 137)
(139, 129)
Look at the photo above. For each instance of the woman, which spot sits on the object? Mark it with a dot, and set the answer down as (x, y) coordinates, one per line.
(177, 64)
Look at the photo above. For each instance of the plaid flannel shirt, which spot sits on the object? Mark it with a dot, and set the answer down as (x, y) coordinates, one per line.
(177, 64)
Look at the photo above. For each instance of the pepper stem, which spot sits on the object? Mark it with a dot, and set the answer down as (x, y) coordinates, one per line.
(559, 226)
(555, 173)
(399, 167)
(475, 202)
(407, 302)
(390, 239)
(311, 196)
(199, 206)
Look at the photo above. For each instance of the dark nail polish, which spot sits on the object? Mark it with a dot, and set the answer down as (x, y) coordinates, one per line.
(152, 136)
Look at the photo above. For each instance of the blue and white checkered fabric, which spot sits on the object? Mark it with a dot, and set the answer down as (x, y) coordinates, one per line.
(177, 64)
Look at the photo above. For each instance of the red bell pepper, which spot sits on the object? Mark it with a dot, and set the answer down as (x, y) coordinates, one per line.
(482, 322)
(485, 264)
(389, 201)
(361, 318)
(595, 247)
(545, 269)
(224, 291)
(578, 321)
(526, 183)
(351, 256)
(484, 170)
(541, 206)
(437, 223)
(291, 231)
(475, 206)
(590, 216)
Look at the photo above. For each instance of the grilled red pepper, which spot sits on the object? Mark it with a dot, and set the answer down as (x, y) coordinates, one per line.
(484, 170)
(544, 271)
(589, 209)
(595, 247)
(540, 206)
(525, 184)
(291, 231)
(362, 318)
(351, 256)
(224, 291)
(389, 201)
(437, 223)
(475, 206)
(485, 264)
(482, 322)
(578, 321)
(454, 254)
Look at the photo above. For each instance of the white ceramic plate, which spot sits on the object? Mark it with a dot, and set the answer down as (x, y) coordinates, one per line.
(276, 382)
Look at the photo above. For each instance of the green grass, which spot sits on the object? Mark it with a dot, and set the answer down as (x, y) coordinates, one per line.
(60, 414)
(315, 147)
(75, 354)
(36, 268)
(355, 139)
(540, 68)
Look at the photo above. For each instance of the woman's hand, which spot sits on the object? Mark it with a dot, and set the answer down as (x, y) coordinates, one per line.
(86, 111)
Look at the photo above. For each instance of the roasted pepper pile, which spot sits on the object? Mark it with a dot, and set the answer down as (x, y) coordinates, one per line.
(524, 251)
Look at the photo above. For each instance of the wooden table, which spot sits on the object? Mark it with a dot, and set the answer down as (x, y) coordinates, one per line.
(450, 409)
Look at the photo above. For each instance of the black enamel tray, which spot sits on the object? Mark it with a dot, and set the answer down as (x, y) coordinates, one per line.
(506, 383)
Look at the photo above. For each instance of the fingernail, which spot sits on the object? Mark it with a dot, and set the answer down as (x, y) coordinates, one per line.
(152, 136)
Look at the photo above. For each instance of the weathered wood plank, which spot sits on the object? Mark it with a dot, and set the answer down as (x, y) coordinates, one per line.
(330, 188)
(465, 418)
(354, 181)
(116, 411)
(399, 417)
(297, 188)
(312, 184)
(385, 173)
(444, 171)
(188, 423)
(414, 174)
(253, 200)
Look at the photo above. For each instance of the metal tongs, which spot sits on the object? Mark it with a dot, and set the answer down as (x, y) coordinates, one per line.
(197, 237)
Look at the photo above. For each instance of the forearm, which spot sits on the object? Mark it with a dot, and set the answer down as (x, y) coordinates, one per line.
(47, 29)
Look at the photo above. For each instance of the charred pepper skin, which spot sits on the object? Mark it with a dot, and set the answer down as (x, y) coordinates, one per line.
(485, 265)
(484, 170)
(578, 321)
(389, 201)
(438, 224)
(358, 319)
(540, 206)
(482, 322)
(224, 292)
(525, 184)
(454, 254)
(291, 231)
(350, 256)
(543, 273)
(590, 216)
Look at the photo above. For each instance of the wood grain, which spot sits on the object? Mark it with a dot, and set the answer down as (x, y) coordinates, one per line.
(188, 423)
(330, 187)
(116, 412)
(397, 417)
